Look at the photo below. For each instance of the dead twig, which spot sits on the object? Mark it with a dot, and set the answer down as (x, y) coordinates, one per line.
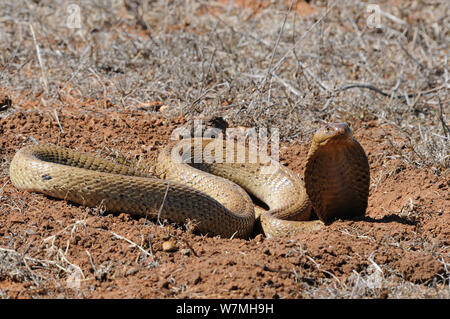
(133, 244)
(379, 91)
(442, 119)
(38, 54)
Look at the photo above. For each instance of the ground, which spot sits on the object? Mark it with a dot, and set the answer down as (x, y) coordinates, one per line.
(131, 72)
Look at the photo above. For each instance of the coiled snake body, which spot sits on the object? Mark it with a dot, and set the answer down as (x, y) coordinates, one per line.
(336, 180)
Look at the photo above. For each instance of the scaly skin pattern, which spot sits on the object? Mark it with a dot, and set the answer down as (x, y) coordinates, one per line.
(337, 175)
(213, 191)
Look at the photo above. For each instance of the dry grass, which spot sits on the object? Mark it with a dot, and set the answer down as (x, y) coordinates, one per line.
(292, 73)
(288, 73)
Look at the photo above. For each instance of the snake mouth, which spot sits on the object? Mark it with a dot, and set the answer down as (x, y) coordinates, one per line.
(332, 132)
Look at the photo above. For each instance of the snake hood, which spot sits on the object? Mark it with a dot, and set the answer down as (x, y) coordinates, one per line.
(337, 174)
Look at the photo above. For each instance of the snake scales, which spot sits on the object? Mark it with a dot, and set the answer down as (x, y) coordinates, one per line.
(336, 179)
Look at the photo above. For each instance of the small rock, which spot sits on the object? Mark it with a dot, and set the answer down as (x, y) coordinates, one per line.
(5, 102)
(185, 251)
(164, 108)
(131, 271)
(169, 246)
(259, 238)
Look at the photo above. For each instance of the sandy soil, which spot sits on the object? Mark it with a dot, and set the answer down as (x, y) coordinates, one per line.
(74, 251)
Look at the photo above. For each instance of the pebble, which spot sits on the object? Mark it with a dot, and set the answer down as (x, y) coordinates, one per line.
(169, 246)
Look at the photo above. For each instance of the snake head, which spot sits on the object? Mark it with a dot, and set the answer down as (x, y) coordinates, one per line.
(332, 132)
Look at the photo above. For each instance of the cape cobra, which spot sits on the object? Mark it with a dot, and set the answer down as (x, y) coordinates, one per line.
(336, 184)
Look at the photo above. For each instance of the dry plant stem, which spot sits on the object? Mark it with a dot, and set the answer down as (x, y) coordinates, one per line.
(263, 82)
(38, 54)
(132, 244)
(445, 127)
(373, 88)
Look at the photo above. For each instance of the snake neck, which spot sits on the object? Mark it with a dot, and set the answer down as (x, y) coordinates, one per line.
(337, 179)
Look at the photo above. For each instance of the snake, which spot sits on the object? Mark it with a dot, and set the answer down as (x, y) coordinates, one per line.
(199, 181)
